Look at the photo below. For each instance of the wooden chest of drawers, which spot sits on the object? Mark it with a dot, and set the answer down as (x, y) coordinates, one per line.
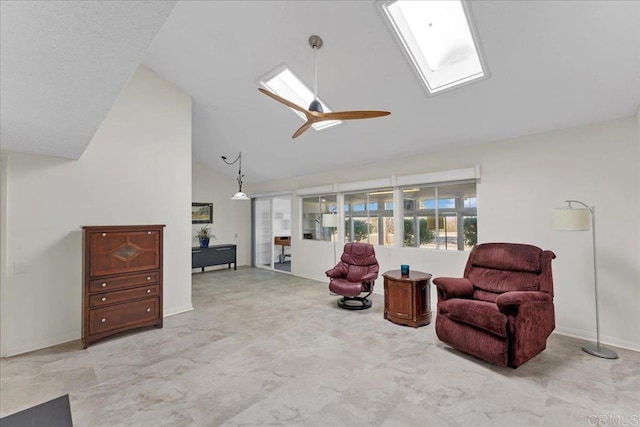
(122, 273)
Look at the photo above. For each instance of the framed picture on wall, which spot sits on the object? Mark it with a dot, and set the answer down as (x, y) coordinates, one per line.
(201, 213)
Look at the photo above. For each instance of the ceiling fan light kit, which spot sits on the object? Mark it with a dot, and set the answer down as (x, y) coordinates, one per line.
(315, 111)
(315, 106)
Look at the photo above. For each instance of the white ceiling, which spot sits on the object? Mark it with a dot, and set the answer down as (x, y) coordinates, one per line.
(552, 65)
(63, 64)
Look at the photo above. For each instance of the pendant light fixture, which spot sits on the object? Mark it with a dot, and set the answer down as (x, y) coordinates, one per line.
(239, 195)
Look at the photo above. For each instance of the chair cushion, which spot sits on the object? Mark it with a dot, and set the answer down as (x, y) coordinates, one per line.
(507, 256)
(500, 281)
(481, 314)
(356, 272)
(479, 294)
(359, 254)
(345, 288)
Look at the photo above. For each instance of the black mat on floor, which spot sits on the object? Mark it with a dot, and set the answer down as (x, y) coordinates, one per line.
(54, 413)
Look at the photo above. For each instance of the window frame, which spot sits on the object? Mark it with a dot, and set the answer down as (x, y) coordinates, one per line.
(397, 186)
(320, 197)
(460, 212)
(380, 214)
(406, 40)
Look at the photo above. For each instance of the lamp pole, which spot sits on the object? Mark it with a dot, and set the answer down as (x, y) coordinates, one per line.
(597, 349)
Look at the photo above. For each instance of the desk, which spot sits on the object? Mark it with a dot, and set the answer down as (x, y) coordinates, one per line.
(407, 300)
(282, 241)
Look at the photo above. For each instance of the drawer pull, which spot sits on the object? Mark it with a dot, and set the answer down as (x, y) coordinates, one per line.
(104, 285)
(104, 234)
(148, 310)
(148, 291)
(103, 320)
(148, 232)
(103, 299)
(148, 277)
(223, 249)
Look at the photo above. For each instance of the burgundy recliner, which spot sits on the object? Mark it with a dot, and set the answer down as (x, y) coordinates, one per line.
(502, 309)
(355, 273)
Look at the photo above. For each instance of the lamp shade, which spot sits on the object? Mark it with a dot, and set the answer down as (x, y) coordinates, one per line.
(571, 219)
(329, 220)
(240, 196)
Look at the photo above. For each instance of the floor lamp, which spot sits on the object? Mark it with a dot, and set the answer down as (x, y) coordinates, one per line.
(571, 219)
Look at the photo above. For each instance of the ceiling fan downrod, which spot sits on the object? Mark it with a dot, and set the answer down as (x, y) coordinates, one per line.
(316, 43)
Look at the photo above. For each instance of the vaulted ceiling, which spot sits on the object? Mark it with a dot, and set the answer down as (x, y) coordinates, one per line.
(552, 65)
(62, 66)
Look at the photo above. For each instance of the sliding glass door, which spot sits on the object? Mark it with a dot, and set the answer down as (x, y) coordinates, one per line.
(272, 233)
(263, 234)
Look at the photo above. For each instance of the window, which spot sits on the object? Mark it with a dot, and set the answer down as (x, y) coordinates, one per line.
(442, 216)
(368, 217)
(320, 217)
(419, 218)
(283, 82)
(438, 38)
(436, 210)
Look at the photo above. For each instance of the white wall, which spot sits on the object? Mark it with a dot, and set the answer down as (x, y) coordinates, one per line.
(231, 218)
(136, 170)
(522, 180)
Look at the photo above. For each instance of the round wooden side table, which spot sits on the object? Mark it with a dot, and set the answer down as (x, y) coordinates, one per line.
(407, 299)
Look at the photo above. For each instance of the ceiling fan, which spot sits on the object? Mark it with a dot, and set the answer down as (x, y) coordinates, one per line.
(314, 113)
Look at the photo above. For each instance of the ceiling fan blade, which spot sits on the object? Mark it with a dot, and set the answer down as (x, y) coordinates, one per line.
(303, 128)
(284, 101)
(352, 115)
(314, 113)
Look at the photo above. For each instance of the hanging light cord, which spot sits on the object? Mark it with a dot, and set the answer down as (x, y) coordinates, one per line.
(240, 175)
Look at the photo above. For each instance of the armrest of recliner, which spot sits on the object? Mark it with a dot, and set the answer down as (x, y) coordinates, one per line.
(517, 298)
(334, 273)
(454, 287)
(369, 277)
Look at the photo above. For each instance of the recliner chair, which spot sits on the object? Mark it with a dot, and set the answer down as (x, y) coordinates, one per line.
(354, 274)
(502, 309)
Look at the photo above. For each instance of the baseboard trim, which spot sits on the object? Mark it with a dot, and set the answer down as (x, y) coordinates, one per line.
(590, 336)
(177, 310)
(62, 339)
(39, 345)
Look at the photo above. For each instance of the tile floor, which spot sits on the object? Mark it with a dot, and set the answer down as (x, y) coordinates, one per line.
(266, 348)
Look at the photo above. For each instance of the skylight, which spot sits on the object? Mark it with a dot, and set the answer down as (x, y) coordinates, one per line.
(283, 82)
(438, 38)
